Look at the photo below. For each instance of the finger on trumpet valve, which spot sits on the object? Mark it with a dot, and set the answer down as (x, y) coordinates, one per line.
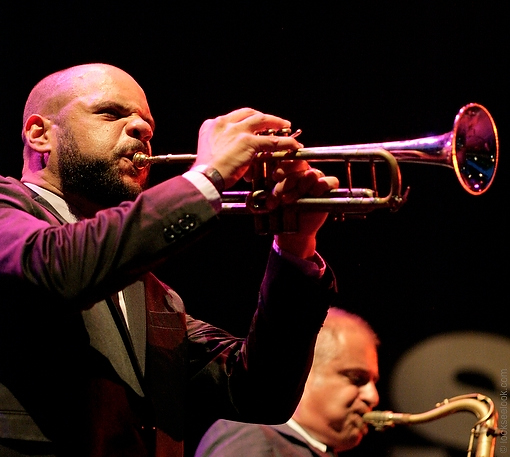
(281, 132)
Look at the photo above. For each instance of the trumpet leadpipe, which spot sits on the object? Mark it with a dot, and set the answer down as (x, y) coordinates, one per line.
(141, 160)
(320, 154)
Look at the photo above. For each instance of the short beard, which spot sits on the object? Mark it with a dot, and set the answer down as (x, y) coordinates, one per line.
(96, 180)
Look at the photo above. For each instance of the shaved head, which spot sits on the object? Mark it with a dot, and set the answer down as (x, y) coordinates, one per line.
(52, 93)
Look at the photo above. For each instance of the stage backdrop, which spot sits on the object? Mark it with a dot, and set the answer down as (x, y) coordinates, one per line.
(432, 277)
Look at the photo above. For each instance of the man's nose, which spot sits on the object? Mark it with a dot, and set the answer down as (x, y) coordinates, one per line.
(369, 394)
(140, 129)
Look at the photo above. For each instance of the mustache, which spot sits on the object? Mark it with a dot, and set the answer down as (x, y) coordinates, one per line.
(128, 150)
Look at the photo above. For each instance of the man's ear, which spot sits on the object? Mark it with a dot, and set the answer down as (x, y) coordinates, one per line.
(38, 133)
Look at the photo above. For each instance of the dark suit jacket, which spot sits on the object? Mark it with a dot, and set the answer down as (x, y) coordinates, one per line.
(234, 439)
(72, 376)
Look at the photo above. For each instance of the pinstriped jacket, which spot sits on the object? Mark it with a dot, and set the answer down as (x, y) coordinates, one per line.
(71, 375)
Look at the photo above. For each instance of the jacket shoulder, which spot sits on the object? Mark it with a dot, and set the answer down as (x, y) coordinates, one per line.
(15, 195)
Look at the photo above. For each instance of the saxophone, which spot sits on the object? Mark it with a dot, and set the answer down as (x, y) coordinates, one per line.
(484, 431)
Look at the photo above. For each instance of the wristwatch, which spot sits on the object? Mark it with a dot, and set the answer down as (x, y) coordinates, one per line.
(212, 175)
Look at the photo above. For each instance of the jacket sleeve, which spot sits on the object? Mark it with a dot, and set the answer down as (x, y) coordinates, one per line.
(82, 262)
(261, 378)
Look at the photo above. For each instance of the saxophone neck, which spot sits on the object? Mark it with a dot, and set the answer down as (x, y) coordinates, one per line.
(485, 430)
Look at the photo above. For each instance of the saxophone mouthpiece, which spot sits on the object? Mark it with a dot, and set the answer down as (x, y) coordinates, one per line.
(384, 419)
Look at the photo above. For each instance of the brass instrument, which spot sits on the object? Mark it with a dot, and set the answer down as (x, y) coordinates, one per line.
(484, 431)
(471, 149)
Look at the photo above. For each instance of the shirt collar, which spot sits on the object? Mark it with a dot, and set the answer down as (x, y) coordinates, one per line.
(54, 200)
(296, 427)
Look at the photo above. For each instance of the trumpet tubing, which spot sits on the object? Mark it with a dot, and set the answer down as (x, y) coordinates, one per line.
(471, 149)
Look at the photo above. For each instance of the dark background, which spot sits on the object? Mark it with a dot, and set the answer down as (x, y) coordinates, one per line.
(343, 72)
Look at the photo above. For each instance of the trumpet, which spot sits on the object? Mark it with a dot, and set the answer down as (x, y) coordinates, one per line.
(484, 431)
(471, 149)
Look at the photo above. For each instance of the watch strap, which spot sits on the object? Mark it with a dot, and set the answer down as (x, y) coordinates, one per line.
(212, 175)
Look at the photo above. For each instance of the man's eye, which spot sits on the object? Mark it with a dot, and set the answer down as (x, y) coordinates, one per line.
(357, 379)
(110, 113)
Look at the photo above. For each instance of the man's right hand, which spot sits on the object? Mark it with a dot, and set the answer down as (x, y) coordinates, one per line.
(228, 143)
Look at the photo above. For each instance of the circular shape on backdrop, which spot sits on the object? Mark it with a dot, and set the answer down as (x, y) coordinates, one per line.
(445, 366)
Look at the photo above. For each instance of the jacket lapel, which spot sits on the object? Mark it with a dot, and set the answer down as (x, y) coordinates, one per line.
(110, 338)
(134, 296)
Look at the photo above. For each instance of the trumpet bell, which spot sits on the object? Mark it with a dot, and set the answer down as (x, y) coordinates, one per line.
(475, 148)
(471, 148)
